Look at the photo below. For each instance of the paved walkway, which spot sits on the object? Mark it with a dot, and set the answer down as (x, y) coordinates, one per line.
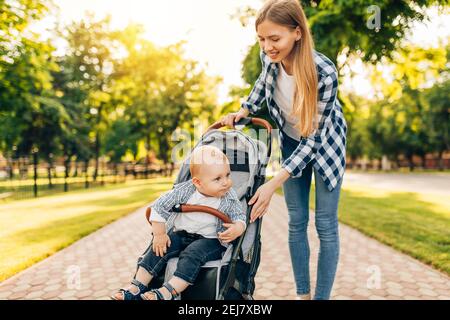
(98, 264)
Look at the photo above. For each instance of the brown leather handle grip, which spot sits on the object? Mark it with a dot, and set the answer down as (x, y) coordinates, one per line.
(196, 208)
(255, 121)
(148, 212)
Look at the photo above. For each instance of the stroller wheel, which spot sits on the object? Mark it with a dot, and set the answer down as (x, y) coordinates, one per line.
(233, 294)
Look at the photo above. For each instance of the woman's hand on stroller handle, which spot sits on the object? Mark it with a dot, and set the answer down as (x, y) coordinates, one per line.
(230, 119)
(261, 200)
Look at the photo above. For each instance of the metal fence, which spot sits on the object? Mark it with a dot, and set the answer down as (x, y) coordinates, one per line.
(427, 162)
(22, 178)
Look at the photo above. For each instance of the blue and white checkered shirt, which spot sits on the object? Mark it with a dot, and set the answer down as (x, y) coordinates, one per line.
(180, 194)
(325, 147)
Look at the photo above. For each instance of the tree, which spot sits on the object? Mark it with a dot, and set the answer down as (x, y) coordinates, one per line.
(118, 140)
(24, 68)
(409, 115)
(437, 118)
(45, 131)
(85, 83)
(344, 28)
(357, 117)
(26, 102)
(159, 91)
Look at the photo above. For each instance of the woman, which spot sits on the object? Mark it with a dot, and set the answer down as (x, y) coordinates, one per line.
(299, 85)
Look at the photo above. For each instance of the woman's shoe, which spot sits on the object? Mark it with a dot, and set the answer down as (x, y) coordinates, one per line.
(306, 296)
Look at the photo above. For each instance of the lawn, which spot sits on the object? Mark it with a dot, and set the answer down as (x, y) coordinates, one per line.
(416, 224)
(33, 229)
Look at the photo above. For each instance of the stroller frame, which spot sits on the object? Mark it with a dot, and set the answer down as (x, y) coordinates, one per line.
(227, 285)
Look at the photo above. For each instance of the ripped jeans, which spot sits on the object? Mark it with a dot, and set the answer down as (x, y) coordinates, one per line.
(192, 250)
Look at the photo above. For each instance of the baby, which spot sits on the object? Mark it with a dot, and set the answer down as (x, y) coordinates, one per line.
(196, 237)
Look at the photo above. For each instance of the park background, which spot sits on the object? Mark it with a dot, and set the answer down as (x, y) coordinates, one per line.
(92, 92)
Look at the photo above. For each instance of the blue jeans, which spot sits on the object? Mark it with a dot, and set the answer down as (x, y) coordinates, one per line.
(193, 251)
(296, 194)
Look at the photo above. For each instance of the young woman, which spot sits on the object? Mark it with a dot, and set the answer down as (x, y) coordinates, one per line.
(299, 85)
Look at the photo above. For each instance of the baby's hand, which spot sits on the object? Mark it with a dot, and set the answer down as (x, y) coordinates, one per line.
(160, 244)
(233, 231)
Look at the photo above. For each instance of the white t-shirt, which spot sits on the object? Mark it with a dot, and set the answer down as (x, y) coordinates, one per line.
(284, 98)
(195, 222)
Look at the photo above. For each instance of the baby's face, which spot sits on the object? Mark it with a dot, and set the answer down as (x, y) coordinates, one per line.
(215, 180)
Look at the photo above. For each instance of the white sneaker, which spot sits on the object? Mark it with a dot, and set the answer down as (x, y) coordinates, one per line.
(303, 296)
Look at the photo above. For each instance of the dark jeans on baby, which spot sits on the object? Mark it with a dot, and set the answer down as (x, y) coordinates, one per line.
(192, 250)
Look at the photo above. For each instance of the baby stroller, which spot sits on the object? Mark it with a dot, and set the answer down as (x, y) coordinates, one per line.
(232, 277)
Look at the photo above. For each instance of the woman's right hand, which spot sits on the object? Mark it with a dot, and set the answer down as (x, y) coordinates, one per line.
(230, 119)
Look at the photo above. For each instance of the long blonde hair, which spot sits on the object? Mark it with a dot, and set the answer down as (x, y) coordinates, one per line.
(289, 13)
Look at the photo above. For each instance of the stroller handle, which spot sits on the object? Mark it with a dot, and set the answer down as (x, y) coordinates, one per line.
(245, 121)
(194, 208)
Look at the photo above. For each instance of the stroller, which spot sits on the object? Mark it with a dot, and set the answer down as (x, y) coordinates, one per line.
(232, 277)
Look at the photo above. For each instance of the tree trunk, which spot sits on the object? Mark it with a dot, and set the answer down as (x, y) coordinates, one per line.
(410, 162)
(35, 176)
(49, 176)
(352, 162)
(424, 161)
(67, 161)
(86, 178)
(172, 168)
(20, 163)
(102, 176)
(10, 168)
(97, 142)
(397, 161)
(49, 171)
(441, 160)
(134, 165)
(55, 175)
(75, 174)
(147, 150)
(97, 155)
(164, 148)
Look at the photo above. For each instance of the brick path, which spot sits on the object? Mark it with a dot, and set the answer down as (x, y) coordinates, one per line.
(105, 260)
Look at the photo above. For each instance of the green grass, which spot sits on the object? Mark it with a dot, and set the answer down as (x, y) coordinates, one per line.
(416, 224)
(34, 229)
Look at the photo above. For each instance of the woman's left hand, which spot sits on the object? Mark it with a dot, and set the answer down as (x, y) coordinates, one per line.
(261, 200)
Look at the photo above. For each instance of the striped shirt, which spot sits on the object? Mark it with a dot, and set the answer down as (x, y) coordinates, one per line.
(180, 194)
(325, 147)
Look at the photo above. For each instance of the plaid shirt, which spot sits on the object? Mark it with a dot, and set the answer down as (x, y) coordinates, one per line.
(180, 194)
(325, 147)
